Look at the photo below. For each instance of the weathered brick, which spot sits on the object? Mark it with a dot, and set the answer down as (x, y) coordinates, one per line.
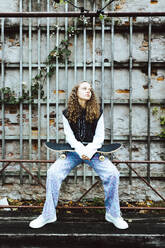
(123, 91)
(154, 1)
(161, 78)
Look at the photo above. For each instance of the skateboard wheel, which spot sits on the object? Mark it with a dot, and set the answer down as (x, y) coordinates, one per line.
(63, 156)
(101, 158)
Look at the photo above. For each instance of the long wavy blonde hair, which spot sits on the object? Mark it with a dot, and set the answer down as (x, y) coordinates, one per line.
(74, 108)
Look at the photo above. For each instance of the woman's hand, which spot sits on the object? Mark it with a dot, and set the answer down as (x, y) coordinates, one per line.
(85, 157)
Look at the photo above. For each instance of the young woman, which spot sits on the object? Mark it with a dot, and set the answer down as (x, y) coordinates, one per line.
(84, 129)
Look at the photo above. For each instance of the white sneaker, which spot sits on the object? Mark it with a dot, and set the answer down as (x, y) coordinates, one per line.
(40, 222)
(118, 222)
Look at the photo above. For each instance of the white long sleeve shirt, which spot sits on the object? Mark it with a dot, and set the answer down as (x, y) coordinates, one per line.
(91, 148)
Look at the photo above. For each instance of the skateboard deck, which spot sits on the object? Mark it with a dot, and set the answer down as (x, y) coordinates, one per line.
(105, 149)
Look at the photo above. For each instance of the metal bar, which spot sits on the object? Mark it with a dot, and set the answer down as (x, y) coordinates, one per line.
(36, 179)
(83, 207)
(84, 76)
(114, 161)
(112, 84)
(149, 98)
(4, 167)
(106, 5)
(78, 14)
(130, 94)
(102, 62)
(11, 173)
(84, 173)
(94, 47)
(112, 81)
(117, 65)
(30, 93)
(66, 61)
(84, 50)
(75, 51)
(3, 85)
(23, 206)
(120, 29)
(120, 138)
(47, 83)
(145, 181)
(39, 92)
(86, 192)
(130, 167)
(26, 161)
(93, 67)
(75, 174)
(28, 171)
(139, 161)
(20, 89)
(75, 74)
(102, 207)
(106, 101)
(57, 87)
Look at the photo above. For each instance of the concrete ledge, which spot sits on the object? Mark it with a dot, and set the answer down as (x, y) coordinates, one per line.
(82, 231)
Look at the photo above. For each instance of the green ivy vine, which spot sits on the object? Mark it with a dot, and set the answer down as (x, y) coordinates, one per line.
(60, 52)
(162, 123)
(8, 96)
(161, 119)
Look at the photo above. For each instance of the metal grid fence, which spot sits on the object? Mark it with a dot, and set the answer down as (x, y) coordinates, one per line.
(112, 28)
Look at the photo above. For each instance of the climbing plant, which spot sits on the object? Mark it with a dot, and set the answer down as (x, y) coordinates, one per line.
(162, 123)
(60, 53)
(9, 96)
(161, 118)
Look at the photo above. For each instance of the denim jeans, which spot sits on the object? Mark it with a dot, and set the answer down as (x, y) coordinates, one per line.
(61, 168)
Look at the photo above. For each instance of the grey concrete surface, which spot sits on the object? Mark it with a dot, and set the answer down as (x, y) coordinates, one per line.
(77, 230)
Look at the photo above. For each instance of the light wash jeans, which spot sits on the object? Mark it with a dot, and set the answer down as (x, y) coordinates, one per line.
(61, 168)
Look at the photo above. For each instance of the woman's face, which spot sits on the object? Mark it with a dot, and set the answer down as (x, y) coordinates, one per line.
(84, 91)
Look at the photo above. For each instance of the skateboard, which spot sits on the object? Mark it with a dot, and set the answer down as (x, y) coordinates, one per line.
(62, 148)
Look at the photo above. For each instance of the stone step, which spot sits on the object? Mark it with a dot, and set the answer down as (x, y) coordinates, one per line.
(76, 231)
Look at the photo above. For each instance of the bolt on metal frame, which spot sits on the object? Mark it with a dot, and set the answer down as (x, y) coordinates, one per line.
(84, 66)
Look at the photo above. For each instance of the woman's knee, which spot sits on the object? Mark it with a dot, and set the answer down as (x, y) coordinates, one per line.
(50, 173)
(113, 172)
(53, 172)
(112, 169)
(57, 171)
(112, 176)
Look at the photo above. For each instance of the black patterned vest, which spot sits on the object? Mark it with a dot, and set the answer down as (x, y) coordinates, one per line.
(83, 130)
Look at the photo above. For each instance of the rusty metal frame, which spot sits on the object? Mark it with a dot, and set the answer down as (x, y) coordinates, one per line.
(78, 14)
(81, 207)
(132, 169)
(127, 162)
(23, 167)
